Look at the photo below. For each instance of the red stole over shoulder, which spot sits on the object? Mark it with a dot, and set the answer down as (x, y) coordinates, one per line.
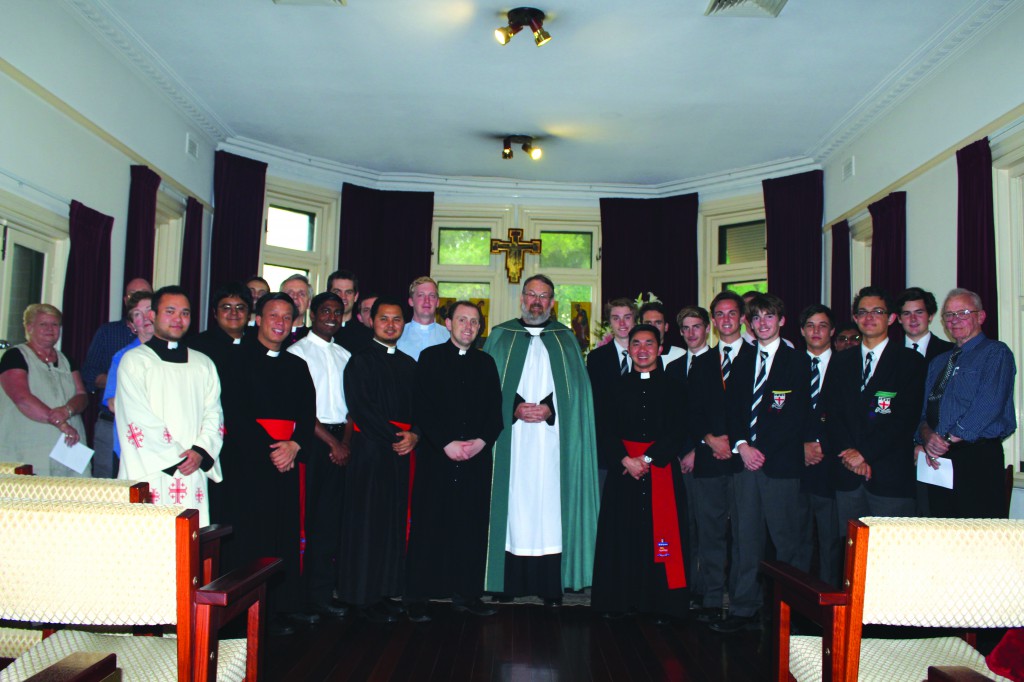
(665, 518)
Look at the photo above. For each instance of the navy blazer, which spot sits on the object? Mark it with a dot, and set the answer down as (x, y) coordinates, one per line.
(783, 413)
(817, 479)
(604, 372)
(879, 422)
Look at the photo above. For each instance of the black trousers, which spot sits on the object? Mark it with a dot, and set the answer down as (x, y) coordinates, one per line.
(325, 490)
(978, 483)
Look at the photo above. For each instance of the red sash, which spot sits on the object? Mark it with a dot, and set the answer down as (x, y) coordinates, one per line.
(279, 430)
(665, 518)
(412, 474)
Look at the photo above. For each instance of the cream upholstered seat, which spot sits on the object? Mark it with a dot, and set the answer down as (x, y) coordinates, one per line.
(66, 488)
(107, 564)
(15, 468)
(942, 573)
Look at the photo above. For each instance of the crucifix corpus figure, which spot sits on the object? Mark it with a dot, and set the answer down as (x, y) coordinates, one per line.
(515, 250)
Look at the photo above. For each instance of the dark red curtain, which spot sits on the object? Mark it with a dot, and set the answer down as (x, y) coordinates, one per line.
(87, 280)
(650, 245)
(141, 225)
(976, 229)
(793, 210)
(841, 295)
(385, 238)
(238, 189)
(889, 243)
(192, 257)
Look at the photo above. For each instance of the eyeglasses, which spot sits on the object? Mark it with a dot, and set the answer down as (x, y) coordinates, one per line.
(238, 307)
(876, 312)
(958, 314)
(847, 339)
(533, 294)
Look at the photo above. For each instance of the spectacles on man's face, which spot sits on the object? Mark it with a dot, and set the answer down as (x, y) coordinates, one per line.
(958, 315)
(842, 338)
(533, 294)
(874, 312)
(237, 307)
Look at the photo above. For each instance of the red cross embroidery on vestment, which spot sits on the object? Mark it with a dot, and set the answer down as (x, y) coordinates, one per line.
(177, 490)
(199, 495)
(135, 436)
(167, 435)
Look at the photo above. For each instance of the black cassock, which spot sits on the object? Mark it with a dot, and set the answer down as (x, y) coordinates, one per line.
(371, 554)
(458, 397)
(626, 576)
(260, 502)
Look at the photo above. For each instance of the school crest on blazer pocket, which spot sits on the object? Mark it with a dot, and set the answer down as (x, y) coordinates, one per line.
(779, 399)
(883, 400)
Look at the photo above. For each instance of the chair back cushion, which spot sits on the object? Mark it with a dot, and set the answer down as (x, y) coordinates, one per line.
(10, 467)
(65, 488)
(944, 572)
(88, 563)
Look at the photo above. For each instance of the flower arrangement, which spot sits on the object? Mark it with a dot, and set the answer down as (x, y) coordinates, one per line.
(603, 331)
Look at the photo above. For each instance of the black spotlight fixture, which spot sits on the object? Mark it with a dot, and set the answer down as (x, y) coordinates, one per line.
(517, 19)
(528, 146)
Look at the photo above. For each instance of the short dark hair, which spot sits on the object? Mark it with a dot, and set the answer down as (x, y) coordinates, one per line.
(877, 292)
(257, 278)
(542, 278)
(917, 294)
(693, 311)
(343, 274)
(276, 296)
(769, 304)
(815, 309)
(229, 289)
(450, 313)
(620, 302)
(320, 299)
(386, 300)
(645, 328)
(656, 306)
(171, 290)
(727, 296)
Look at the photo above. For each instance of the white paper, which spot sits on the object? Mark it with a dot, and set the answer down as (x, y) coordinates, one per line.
(943, 476)
(74, 457)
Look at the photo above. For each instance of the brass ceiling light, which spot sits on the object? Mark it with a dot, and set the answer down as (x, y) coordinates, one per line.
(520, 17)
(528, 146)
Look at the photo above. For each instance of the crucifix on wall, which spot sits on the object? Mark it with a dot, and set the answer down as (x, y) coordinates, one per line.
(515, 250)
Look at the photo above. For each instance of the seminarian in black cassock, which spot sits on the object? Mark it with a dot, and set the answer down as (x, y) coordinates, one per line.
(635, 567)
(379, 382)
(273, 394)
(458, 400)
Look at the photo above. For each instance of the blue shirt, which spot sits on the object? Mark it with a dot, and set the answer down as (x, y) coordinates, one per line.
(111, 388)
(978, 401)
(109, 338)
(416, 337)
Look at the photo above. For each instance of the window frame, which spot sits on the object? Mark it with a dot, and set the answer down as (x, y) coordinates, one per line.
(713, 216)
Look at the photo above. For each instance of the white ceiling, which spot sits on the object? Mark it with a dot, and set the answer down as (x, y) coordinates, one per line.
(644, 92)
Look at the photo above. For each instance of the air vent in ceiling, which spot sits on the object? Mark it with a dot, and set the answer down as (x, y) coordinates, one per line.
(849, 168)
(313, 3)
(765, 9)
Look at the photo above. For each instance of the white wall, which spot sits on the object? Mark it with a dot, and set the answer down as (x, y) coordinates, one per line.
(58, 155)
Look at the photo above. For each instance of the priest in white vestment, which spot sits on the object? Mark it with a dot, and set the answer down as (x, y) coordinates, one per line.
(170, 423)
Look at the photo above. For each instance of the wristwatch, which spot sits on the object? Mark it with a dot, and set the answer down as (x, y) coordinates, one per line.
(647, 459)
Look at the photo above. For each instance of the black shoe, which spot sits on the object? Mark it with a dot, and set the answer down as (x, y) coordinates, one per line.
(417, 612)
(278, 627)
(711, 614)
(613, 615)
(378, 613)
(303, 617)
(328, 610)
(475, 607)
(553, 603)
(503, 598)
(661, 619)
(393, 606)
(734, 624)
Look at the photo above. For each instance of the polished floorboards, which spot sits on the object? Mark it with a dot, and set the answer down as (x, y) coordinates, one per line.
(521, 642)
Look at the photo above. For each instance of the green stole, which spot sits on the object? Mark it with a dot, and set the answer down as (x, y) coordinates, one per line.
(580, 499)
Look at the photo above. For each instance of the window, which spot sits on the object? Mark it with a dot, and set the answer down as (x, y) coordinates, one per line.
(300, 232)
(732, 242)
(34, 248)
(464, 266)
(170, 235)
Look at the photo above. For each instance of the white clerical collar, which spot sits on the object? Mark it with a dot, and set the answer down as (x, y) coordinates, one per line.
(534, 331)
(237, 342)
(391, 349)
(294, 329)
(171, 345)
(645, 375)
(462, 351)
(273, 353)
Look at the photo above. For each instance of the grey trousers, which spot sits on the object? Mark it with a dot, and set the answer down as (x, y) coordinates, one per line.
(712, 518)
(853, 504)
(104, 462)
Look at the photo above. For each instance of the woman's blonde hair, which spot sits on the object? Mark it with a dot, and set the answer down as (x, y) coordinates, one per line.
(34, 310)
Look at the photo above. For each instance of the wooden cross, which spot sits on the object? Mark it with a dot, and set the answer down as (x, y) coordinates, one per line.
(514, 250)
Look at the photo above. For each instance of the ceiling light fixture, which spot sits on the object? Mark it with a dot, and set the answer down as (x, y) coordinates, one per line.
(519, 18)
(526, 141)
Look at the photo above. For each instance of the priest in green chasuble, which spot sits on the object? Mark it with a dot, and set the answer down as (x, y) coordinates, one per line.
(544, 495)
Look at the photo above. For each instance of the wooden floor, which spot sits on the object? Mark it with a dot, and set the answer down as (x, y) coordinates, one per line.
(522, 642)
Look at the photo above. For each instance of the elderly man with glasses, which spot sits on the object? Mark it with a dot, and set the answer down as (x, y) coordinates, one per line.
(968, 412)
